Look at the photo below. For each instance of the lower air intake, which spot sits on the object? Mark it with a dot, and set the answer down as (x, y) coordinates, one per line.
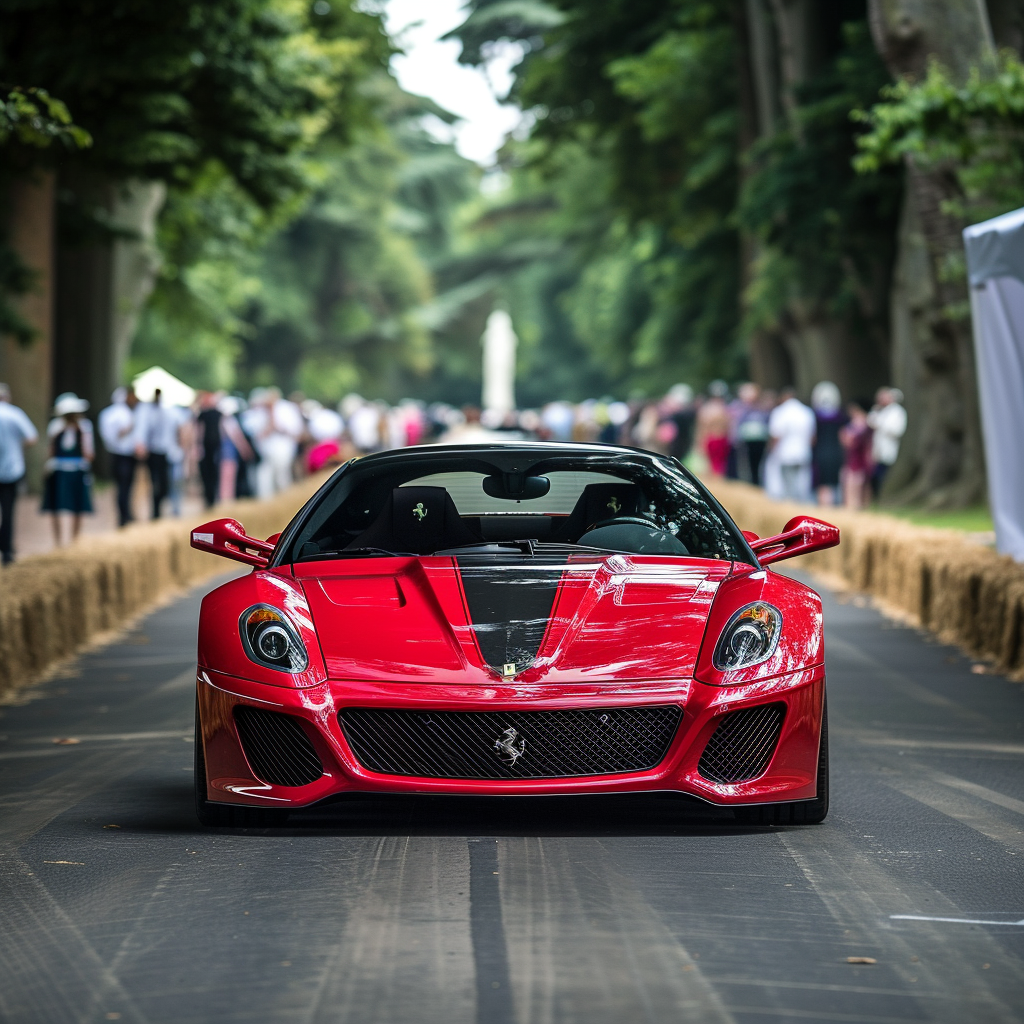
(743, 744)
(277, 749)
(510, 744)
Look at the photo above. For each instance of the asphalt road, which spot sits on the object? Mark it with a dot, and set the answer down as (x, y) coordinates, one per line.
(114, 904)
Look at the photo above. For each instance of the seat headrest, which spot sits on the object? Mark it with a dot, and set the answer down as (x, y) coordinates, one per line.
(418, 518)
(606, 501)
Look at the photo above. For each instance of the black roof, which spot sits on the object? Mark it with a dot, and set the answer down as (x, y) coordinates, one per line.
(508, 455)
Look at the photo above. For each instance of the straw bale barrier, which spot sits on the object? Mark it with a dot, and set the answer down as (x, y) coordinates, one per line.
(52, 605)
(939, 580)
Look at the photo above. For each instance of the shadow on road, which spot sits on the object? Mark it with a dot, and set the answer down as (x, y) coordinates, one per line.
(163, 808)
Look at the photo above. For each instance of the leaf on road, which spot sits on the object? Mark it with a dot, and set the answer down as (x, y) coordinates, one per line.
(861, 960)
(66, 741)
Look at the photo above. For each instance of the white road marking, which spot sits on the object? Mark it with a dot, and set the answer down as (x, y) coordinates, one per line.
(953, 920)
(982, 792)
(979, 746)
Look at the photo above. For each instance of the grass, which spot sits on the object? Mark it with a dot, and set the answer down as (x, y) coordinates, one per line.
(971, 520)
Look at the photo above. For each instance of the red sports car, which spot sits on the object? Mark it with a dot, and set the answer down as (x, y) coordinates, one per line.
(520, 618)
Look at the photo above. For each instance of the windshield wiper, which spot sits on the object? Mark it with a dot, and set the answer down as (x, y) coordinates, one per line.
(352, 553)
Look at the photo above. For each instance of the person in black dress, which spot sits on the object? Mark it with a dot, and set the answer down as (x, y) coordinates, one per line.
(829, 453)
(68, 485)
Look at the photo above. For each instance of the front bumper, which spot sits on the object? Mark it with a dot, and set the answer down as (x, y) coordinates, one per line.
(790, 773)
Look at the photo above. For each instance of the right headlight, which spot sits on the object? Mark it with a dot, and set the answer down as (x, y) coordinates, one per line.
(271, 640)
(751, 635)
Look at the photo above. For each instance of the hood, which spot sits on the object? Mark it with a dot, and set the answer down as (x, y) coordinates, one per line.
(447, 620)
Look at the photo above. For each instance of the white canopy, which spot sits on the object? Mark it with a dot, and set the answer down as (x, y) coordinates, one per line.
(174, 391)
(995, 263)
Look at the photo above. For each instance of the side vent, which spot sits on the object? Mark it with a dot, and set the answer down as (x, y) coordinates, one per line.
(743, 744)
(277, 749)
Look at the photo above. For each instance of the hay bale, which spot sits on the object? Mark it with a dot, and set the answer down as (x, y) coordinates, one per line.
(52, 605)
(967, 594)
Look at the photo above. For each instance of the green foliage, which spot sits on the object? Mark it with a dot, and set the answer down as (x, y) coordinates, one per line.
(323, 294)
(974, 131)
(826, 233)
(33, 117)
(165, 87)
(627, 193)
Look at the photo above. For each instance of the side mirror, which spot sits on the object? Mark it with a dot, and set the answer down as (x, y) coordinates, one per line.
(799, 536)
(750, 535)
(227, 537)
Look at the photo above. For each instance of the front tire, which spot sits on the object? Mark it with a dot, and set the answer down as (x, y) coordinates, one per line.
(214, 815)
(802, 812)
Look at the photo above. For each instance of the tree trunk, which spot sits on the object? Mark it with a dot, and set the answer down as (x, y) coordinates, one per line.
(1007, 20)
(942, 462)
(26, 368)
(106, 268)
(788, 43)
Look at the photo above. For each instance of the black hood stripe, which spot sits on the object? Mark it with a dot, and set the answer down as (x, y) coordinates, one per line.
(509, 610)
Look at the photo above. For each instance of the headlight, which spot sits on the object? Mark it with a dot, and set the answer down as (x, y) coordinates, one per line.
(751, 636)
(271, 640)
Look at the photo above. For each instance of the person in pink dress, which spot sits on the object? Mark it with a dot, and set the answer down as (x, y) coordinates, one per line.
(856, 441)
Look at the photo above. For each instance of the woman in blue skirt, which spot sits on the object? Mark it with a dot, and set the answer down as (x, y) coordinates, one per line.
(68, 485)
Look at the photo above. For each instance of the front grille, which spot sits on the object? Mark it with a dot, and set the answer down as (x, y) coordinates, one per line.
(277, 749)
(510, 744)
(743, 744)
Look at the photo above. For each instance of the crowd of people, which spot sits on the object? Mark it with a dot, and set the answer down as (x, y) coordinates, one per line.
(235, 447)
(826, 452)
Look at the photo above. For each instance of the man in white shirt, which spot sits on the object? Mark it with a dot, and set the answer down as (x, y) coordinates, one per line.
(16, 431)
(276, 425)
(117, 431)
(156, 437)
(791, 428)
(888, 420)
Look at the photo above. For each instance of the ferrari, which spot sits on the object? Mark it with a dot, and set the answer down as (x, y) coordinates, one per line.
(511, 618)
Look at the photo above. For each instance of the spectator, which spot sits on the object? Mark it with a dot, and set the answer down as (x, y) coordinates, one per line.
(856, 440)
(117, 431)
(276, 425)
(364, 426)
(208, 445)
(750, 432)
(677, 408)
(178, 455)
(16, 431)
(68, 484)
(888, 420)
(791, 430)
(235, 451)
(828, 452)
(713, 426)
(156, 436)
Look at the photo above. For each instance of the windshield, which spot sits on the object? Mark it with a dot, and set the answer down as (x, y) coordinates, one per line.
(528, 504)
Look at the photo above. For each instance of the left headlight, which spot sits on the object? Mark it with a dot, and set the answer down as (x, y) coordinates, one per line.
(751, 636)
(271, 640)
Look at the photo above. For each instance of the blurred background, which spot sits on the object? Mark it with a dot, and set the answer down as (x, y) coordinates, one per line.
(728, 230)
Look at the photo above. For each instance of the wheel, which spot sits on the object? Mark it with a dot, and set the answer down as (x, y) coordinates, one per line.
(215, 815)
(801, 812)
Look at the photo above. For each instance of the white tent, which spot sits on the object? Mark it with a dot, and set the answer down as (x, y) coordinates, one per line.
(995, 263)
(173, 391)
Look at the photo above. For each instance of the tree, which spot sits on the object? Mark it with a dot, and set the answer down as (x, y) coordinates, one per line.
(942, 459)
(166, 91)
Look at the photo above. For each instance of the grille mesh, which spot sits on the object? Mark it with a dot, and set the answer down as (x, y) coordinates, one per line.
(743, 744)
(277, 749)
(551, 744)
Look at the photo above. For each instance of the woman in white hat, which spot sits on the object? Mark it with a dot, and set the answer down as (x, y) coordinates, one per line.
(68, 486)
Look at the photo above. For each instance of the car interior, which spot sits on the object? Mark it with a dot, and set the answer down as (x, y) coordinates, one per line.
(422, 520)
